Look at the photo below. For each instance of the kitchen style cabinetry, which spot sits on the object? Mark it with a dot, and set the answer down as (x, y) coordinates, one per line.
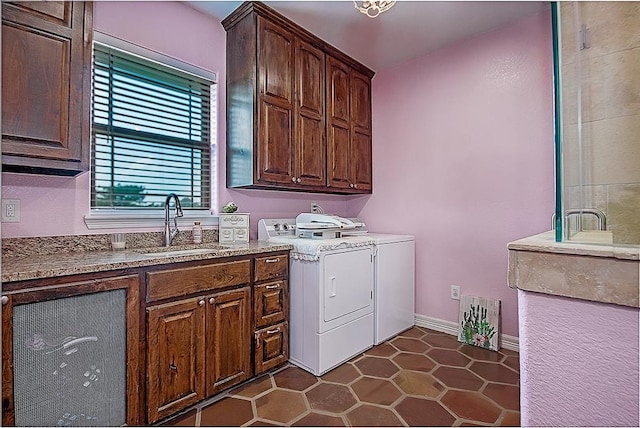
(46, 86)
(150, 341)
(213, 326)
(349, 127)
(199, 345)
(283, 101)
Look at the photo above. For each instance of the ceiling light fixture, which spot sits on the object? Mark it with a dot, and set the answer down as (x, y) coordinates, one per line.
(373, 8)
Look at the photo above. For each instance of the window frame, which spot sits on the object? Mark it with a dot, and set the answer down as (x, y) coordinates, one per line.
(109, 218)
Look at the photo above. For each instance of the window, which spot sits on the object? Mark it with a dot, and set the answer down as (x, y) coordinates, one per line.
(151, 134)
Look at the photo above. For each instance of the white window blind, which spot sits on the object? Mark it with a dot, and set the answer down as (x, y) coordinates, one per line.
(151, 134)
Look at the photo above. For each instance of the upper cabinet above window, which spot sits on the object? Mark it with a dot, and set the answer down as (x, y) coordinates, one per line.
(298, 110)
(46, 86)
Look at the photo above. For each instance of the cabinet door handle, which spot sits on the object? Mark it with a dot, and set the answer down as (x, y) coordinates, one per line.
(4, 300)
(173, 367)
(212, 300)
(299, 180)
(293, 179)
(274, 331)
(272, 287)
(201, 303)
(276, 260)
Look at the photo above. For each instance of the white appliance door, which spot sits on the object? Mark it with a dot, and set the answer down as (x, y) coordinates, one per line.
(348, 284)
(395, 289)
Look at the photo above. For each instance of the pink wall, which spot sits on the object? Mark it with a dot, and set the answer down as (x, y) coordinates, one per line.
(579, 362)
(463, 152)
(56, 206)
(463, 158)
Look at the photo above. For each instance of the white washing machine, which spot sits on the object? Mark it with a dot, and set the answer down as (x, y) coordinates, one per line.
(395, 279)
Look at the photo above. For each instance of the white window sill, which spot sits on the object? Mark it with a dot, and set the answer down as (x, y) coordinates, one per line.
(123, 219)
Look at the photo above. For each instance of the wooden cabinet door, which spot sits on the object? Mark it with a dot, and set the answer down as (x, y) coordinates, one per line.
(338, 125)
(361, 132)
(228, 339)
(271, 347)
(176, 353)
(46, 86)
(275, 118)
(270, 303)
(310, 162)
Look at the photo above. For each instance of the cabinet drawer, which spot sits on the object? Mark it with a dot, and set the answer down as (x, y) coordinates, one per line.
(270, 303)
(271, 267)
(272, 347)
(180, 282)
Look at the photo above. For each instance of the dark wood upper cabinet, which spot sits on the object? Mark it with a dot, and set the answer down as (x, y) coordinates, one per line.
(46, 86)
(283, 115)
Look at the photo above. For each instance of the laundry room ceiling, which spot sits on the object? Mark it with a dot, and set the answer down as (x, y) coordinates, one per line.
(410, 29)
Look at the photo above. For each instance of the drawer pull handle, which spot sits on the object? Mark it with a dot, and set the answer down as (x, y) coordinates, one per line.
(173, 367)
(4, 300)
(274, 331)
(272, 260)
(272, 287)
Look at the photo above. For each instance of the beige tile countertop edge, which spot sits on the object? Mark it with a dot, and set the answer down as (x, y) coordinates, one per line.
(56, 265)
(545, 243)
(598, 273)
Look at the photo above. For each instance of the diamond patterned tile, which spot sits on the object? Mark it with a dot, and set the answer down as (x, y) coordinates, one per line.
(419, 378)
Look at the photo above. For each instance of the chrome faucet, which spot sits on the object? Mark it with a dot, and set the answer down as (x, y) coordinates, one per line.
(169, 232)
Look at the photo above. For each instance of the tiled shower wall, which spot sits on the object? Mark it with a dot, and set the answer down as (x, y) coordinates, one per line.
(609, 79)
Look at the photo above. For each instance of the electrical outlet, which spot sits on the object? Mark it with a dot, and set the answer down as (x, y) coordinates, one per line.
(10, 210)
(315, 208)
(455, 292)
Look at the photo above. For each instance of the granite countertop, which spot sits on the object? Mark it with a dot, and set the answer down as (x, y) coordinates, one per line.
(20, 268)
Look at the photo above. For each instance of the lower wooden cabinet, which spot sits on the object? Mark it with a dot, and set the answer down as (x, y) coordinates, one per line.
(228, 339)
(196, 348)
(271, 347)
(176, 357)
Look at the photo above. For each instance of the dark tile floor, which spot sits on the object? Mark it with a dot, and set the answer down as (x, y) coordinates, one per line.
(419, 378)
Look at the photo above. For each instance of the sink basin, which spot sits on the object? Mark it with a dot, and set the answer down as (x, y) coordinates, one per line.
(174, 252)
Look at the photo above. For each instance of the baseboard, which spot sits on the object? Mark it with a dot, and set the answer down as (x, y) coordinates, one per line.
(449, 327)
